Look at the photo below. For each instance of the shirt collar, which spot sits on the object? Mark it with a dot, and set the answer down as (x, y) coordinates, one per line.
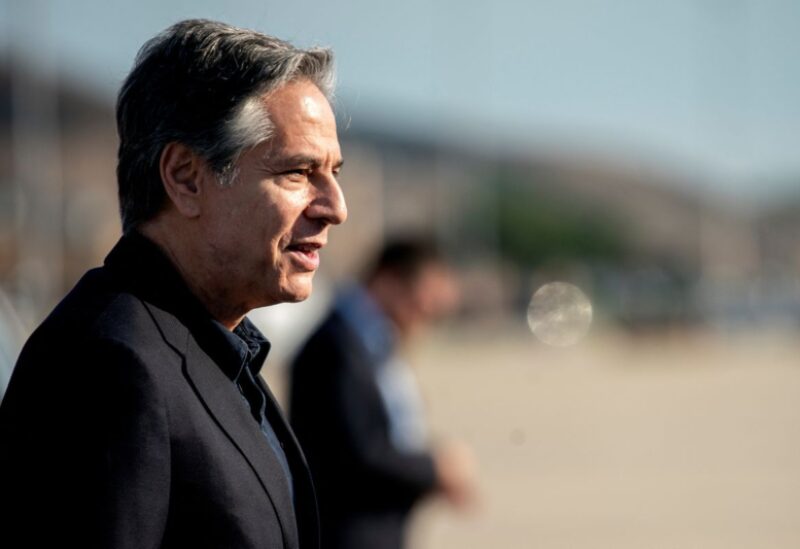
(244, 347)
(368, 322)
(146, 272)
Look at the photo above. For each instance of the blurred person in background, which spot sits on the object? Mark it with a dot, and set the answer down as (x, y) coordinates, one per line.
(12, 337)
(356, 407)
(136, 416)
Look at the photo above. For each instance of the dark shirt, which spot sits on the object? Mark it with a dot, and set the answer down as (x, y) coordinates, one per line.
(251, 348)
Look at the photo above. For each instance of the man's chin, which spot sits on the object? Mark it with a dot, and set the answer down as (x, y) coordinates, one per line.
(296, 293)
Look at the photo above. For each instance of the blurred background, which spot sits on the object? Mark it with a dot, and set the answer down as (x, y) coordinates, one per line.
(646, 152)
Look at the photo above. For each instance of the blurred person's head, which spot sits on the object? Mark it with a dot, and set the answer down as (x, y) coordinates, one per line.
(228, 159)
(412, 283)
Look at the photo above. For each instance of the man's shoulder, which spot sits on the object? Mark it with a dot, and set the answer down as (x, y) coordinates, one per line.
(332, 331)
(330, 347)
(97, 333)
(97, 309)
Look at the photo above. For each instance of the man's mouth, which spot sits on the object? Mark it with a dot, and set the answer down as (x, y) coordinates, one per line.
(305, 254)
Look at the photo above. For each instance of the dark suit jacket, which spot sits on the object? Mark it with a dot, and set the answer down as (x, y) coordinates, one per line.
(119, 430)
(365, 486)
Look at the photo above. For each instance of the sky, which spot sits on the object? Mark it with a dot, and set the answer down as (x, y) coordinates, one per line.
(709, 88)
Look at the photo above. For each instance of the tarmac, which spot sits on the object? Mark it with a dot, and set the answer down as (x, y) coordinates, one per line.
(680, 440)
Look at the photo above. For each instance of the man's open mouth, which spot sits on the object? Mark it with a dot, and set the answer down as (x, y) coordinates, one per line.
(305, 254)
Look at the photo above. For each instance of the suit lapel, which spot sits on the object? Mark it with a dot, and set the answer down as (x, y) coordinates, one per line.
(225, 405)
(306, 508)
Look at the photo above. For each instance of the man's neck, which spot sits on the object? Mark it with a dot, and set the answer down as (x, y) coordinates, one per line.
(194, 270)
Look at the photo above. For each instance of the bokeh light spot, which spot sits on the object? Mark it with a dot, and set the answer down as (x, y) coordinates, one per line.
(559, 314)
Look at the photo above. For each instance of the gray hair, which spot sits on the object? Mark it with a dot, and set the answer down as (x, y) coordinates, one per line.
(200, 83)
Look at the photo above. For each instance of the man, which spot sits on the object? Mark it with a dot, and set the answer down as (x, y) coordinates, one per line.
(357, 411)
(135, 416)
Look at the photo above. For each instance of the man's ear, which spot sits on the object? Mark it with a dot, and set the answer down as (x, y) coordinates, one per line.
(182, 171)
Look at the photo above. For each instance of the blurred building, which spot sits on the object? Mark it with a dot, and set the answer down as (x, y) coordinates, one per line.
(57, 165)
(778, 284)
(649, 252)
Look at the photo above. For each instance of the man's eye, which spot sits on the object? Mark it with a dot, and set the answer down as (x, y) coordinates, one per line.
(297, 171)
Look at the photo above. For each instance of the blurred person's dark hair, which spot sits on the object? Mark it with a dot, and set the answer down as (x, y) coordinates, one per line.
(404, 257)
(412, 283)
(201, 83)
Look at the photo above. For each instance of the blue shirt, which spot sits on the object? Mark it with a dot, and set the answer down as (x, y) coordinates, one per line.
(393, 377)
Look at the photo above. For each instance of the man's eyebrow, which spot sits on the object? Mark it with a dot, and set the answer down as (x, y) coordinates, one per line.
(302, 160)
(297, 160)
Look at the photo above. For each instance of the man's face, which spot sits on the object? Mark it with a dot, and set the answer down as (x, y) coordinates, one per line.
(265, 230)
(432, 294)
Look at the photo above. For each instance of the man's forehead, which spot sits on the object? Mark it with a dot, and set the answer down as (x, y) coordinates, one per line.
(298, 98)
(311, 107)
(298, 111)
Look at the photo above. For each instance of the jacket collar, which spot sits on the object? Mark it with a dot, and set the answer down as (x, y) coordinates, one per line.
(147, 273)
(369, 324)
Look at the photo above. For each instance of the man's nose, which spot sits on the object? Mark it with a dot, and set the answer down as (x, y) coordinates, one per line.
(329, 203)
